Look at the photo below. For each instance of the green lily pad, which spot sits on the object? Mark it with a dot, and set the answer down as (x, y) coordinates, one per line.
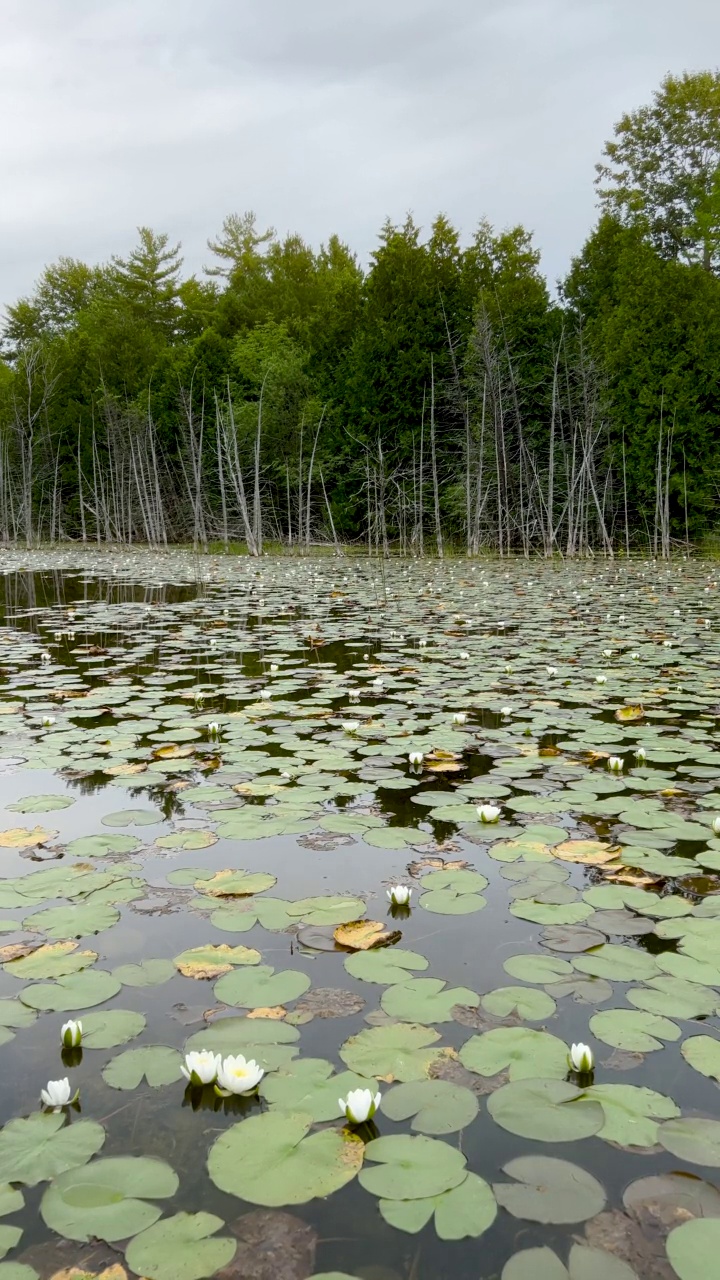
(146, 973)
(386, 965)
(156, 1063)
(538, 1109)
(693, 1139)
(465, 1211)
(436, 1105)
(618, 963)
(183, 1247)
(391, 1052)
(212, 962)
(633, 1030)
(270, 1160)
(41, 804)
(537, 968)
(41, 1147)
(425, 1000)
(189, 839)
(261, 987)
(310, 1087)
(11, 1200)
(631, 1113)
(549, 912)
(702, 1053)
(110, 1028)
(411, 1168)
(107, 1199)
(549, 1190)
(133, 818)
(52, 960)
(693, 1248)
(526, 1053)
(447, 902)
(74, 921)
(9, 1237)
(533, 1006)
(76, 991)
(673, 997)
(101, 846)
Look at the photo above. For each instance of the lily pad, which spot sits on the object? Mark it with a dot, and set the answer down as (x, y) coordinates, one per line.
(157, 1064)
(526, 1053)
(411, 1168)
(40, 1147)
(437, 1105)
(146, 973)
(213, 961)
(465, 1211)
(308, 1086)
(392, 1052)
(618, 963)
(74, 921)
(41, 804)
(538, 1109)
(693, 1248)
(77, 991)
(261, 987)
(107, 1199)
(388, 966)
(425, 1000)
(111, 1027)
(270, 1159)
(271, 1044)
(183, 1247)
(102, 846)
(702, 1053)
(631, 1029)
(532, 1006)
(632, 1113)
(52, 960)
(693, 1139)
(549, 1190)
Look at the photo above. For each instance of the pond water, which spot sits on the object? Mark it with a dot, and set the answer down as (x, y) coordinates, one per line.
(205, 787)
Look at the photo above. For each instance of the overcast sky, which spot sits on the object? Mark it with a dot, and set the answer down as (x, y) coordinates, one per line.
(321, 115)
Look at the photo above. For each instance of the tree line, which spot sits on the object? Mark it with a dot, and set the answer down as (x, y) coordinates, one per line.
(441, 399)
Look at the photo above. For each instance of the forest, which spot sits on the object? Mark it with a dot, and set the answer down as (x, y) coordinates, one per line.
(442, 399)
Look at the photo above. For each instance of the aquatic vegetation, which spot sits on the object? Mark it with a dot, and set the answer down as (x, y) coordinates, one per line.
(213, 914)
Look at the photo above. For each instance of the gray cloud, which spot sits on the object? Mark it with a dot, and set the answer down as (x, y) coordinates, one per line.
(323, 116)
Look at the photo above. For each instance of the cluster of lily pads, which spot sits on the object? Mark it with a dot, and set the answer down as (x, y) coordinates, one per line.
(537, 738)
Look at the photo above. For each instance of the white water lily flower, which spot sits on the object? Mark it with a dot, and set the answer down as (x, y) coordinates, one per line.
(464, 655)
(667, 644)
(360, 1105)
(353, 695)
(640, 755)
(422, 643)
(274, 666)
(581, 1058)
(615, 764)
(506, 711)
(71, 1034)
(201, 1068)
(508, 669)
(459, 717)
(57, 1094)
(48, 722)
(238, 1075)
(399, 895)
(716, 826)
(552, 671)
(488, 812)
(607, 653)
(635, 657)
(377, 684)
(601, 679)
(351, 726)
(416, 757)
(213, 728)
(45, 656)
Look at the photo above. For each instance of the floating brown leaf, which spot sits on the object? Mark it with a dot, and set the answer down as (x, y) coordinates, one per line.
(590, 853)
(24, 838)
(626, 715)
(361, 935)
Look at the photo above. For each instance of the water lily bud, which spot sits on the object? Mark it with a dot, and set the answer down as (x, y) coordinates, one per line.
(607, 653)
(464, 655)
(552, 671)
(360, 1105)
(601, 679)
(581, 1059)
(506, 711)
(635, 657)
(488, 812)
(235, 1075)
(201, 1068)
(416, 757)
(48, 722)
(274, 666)
(71, 1034)
(508, 669)
(45, 657)
(640, 755)
(422, 643)
(615, 764)
(399, 895)
(716, 826)
(459, 717)
(353, 695)
(377, 683)
(57, 1094)
(213, 728)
